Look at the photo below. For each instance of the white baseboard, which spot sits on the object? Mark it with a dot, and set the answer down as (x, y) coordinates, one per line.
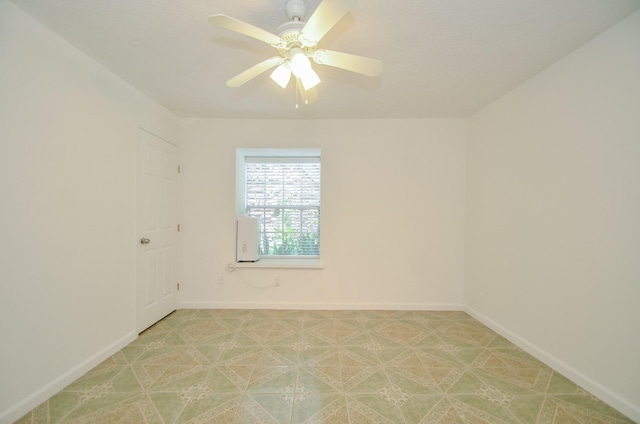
(21, 408)
(323, 306)
(621, 404)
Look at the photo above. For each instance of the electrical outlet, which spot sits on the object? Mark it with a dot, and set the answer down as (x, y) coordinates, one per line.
(221, 280)
(277, 282)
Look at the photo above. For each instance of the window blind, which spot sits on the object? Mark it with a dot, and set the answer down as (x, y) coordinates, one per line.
(284, 193)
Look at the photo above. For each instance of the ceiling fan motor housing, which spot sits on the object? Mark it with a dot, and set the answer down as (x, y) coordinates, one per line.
(289, 34)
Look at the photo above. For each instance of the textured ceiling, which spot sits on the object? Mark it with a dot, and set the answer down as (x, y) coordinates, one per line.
(441, 58)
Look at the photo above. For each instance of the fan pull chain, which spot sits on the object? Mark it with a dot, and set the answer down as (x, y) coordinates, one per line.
(298, 95)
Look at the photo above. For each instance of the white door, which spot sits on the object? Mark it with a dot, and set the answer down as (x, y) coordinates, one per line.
(157, 230)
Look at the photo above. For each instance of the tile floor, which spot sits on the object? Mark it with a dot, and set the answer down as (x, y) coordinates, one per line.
(272, 366)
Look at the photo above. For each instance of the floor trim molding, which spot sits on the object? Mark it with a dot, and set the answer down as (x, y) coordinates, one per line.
(323, 306)
(621, 404)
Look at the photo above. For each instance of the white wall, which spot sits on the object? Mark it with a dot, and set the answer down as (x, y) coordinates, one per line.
(553, 215)
(391, 223)
(68, 138)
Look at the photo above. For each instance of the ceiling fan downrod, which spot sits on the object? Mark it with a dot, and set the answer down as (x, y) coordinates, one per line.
(296, 10)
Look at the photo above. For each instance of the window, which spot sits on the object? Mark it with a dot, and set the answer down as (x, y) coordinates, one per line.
(281, 187)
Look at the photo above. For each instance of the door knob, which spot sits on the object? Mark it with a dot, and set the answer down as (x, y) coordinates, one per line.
(145, 241)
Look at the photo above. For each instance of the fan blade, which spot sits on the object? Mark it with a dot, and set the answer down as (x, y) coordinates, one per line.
(233, 24)
(328, 13)
(254, 71)
(350, 62)
(308, 96)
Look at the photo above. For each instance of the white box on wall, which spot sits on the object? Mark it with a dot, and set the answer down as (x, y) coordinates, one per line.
(248, 237)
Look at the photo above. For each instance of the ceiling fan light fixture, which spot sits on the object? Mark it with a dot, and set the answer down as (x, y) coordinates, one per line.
(281, 75)
(310, 79)
(301, 67)
(300, 63)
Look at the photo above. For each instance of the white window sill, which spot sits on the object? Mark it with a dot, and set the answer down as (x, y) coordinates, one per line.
(280, 263)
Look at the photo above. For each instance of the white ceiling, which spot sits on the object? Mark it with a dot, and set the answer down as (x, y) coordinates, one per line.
(442, 58)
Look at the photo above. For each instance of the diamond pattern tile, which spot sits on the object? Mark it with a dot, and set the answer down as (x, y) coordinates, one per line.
(330, 367)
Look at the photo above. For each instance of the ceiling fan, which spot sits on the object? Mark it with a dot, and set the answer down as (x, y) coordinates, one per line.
(297, 42)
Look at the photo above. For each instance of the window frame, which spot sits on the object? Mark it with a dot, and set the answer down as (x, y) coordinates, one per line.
(284, 261)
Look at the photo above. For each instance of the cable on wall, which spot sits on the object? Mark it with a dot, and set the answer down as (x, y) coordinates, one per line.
(231, 267)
